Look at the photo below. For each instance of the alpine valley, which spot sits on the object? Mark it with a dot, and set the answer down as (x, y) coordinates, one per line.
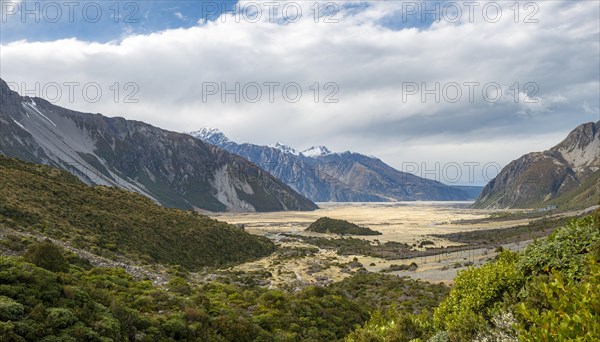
(123, 220)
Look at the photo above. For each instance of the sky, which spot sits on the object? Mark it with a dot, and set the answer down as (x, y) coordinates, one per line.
(451, 91)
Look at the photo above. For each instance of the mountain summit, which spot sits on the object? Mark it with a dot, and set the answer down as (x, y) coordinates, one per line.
(323, 176)
(210, 135)
(570, 169)
(316, 151)
(285, 148)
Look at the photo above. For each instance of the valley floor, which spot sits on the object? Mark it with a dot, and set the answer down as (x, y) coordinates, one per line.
(429, 231)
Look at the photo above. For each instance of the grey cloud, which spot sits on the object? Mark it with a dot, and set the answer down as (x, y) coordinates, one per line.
(369, 62)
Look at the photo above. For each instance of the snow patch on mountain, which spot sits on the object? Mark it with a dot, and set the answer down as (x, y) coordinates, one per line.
(325, 176)
(18, 123)
(210, 135)
(216, 137)
(316, 151)
(285, 148)
(34, 109)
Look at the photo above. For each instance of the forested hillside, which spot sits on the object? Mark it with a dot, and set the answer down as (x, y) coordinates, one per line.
(106, 220)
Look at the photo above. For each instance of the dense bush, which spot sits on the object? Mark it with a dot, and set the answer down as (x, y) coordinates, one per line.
(570, 311)
(549, 292)
(103, 304)
(104, 220)
(107, 303)
(468, 306)
(335, 226)
(383, 292)
(564, 250)
(10, 309)
(392, 326)
(46, 255)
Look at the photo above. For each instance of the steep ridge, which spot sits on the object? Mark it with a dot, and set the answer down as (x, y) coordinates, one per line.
(172, 169)
(547, 178)
(324, 176)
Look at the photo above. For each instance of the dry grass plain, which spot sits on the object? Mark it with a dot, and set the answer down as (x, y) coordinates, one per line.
(406, 222)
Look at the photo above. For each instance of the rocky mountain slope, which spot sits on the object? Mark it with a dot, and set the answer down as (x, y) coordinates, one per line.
(552, 177)
(173, 169)
(323, 176)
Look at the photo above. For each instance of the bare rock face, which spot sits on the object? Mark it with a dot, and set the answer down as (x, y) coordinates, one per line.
(173, 169)
(540, 178)
(324, 176)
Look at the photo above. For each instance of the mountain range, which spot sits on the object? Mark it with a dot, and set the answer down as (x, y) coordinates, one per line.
(325, 176)
(171, 168)
(567, 175)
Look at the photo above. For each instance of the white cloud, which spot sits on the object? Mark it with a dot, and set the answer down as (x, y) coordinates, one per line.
(370, 63)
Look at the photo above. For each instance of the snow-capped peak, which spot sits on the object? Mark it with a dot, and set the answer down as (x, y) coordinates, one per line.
(210, 135)
(316, 151)
(285, 148)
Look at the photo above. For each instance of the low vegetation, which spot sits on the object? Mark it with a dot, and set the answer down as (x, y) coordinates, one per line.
(389, 250)
(354, 246)
(107, 221)
(383, 291)
(395, 268)
(550, 291)
(585, 195)
(44, 301)
(535, 229)
(501, 216)
(335, 226)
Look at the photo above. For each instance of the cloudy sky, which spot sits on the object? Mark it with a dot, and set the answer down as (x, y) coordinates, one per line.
(429, 84)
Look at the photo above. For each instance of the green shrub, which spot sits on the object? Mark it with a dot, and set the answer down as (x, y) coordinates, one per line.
(46, 255)
(392, 326)
(468, 306)
(571, 311)
(10, 309)
(564, 250)
(15, 243)
(60, 318)
(179, 285)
